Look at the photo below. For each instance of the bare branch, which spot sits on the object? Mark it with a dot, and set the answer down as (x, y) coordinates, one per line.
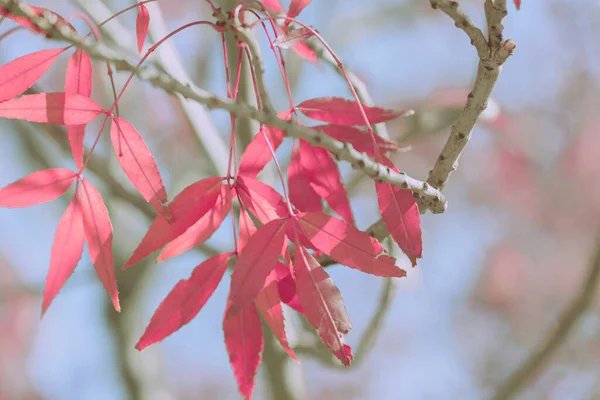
(495, 11)
(567, 321)
(343, 151)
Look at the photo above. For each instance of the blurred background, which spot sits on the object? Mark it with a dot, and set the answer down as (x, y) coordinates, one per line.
(498, 267)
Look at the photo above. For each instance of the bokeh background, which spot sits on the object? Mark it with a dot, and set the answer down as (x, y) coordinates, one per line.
(498, 268)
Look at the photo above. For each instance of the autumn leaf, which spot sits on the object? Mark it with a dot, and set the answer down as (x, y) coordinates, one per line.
(185, 300)
(296, 7)
(52, 108)
(322, 303)
(302, 194)
(273, 5)
(99, 236)
(141, 26)
(261, 199)
(258, 154)
(36, 188)
(347, 245)
(244, 342)
(339, 111)
(137, 163)
(255, 262)
(66, 251)
(186, 209)
(247, 228)
(78, 80)
(359, 139)
(286, 285)
(203, 229)
(20, 74)
(518, 4)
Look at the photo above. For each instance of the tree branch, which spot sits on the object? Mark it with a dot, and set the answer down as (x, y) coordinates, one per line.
(431, 196)
(567, 321)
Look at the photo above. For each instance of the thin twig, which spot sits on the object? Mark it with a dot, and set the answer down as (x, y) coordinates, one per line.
(432, 197)
(567, 321)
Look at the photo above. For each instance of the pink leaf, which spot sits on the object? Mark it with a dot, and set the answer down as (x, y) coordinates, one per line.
(359, 139)
(52, 108)
(273, 5)
(325, 179)
(258, 154)
(296, 7)
(293, 37)
(141, 26)
(36, 188)
(244, 341)
(66, 251)
(203, 229)
(186, 209)
(247, 228)
(78, 81)
(337, 110)
(302, 194)
(255, 262)
(269, 304)
(261, 199)
(347, 245)
(19, 75)
(322, 303)
(518, 4)
(137, 162)
(400, 215)
(287, 287)
(99, 237)
(185, 300)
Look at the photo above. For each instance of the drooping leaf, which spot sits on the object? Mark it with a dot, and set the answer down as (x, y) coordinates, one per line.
(36, 188)
(185, 300)
(52, 108)
(359, 139)
(20, 74)
(258, 154)
(293, 37)
(66, 251)
(322, 303)
(517, 4)
(286, 284)
(296, 7)
(347, 245)
(269, 304)
(244, 342)
(137, 162)
(261, 199)
(185, 210)
(325, 179)
(255, 262)
(273, 5)
(203, 229)
(141, 26)
(99, 238)
(302, 194)
(400, 214)
(339, 111)
(247, 228)
(25, 22)
(78, 80)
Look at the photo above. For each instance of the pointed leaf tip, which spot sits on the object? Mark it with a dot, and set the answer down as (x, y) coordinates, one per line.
(36, 188)
(340, 111)
(141, 26)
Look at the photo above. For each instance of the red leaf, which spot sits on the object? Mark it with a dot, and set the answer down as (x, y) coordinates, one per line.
(25, 22)
(337, 110)
(518, 4)
(36, 188)
(66, 251)
(273, 5)
(52, 108)
(78, 81)
(359, 139)
(185, 300)
(186, 208)
(287, 288)
(325, 179)
(244, 341)
(400, 214)
(255, 262)
(296, 7)
(19, 75)
(293, 37)
(322, 303)
(202, 229)
(137, 163)
(99, 237)
(302, 194)
(247, 228)
(347, 245)
(141, 26)
(261, 199)
(258, 154)
(269, 304)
